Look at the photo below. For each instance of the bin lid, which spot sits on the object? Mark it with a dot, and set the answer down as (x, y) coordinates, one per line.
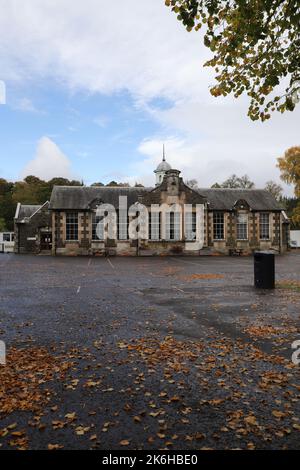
(265, 252)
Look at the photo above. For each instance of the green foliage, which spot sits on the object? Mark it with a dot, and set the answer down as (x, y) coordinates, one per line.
(7, 206)
(289, 166)
(2, 225)
(122, 185)
(255, 46)
(292, 209)
(31, 190)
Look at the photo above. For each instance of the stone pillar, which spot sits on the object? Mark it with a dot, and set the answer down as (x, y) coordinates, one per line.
(210, 228)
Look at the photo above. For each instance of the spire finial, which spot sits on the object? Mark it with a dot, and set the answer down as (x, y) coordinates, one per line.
(164, 154)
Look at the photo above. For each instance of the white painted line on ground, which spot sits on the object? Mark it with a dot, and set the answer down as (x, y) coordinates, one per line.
(78, 290)
(177, 288)
(110, 263)
(185, 261)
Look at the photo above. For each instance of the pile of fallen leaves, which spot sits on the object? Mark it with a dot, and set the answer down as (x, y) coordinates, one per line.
(23, 376)
(263, 331)
(176, 354)
(277, 333)
(291, 284)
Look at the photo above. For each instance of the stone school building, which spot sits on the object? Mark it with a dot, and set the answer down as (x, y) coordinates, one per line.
(235, 221)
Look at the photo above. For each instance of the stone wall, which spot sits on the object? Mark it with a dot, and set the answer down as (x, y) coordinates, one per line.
(28, 233)
(86, 246)
(253, 242)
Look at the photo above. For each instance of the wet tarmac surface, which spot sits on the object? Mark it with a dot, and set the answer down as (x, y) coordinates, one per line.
(148, 353)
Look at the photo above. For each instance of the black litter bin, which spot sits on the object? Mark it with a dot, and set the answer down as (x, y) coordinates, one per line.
(264, 269)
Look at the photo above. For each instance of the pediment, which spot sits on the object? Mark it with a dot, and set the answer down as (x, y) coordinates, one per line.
(241, 204)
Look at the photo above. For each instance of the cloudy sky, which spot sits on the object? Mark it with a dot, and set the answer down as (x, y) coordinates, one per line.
(94, 88)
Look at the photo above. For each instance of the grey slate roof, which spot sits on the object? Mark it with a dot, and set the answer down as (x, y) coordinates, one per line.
(224, 199)
(26, 210)
(79, 197)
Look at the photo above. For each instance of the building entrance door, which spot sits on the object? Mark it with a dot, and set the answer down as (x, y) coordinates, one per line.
(46, 241)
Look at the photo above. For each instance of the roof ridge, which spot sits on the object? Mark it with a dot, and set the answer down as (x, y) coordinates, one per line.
(102, 187)
(234, 189)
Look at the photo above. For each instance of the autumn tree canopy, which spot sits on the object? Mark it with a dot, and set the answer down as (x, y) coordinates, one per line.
(289, 166)
(32, 190)
(255, 46)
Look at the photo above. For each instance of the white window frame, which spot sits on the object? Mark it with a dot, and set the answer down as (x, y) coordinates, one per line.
(238, 223)
(263, 225)
(218, 223)
(74, 224)
(122, 220)
(155, 225)
(173, 223)
(190, 225)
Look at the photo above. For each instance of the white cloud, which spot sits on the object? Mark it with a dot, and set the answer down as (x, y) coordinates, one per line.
(2, 92)
(26, 105)
(140, 47)
(210, 162)
(49, 162)
(135, 45)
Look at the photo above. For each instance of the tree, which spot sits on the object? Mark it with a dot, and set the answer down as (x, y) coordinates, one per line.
(33, 180)
(2, 224)
(30, 192)
(231, 182)
(58, 181)
(121, 185)
(7, 205)
(193, 184)
(97, 184)
(274, 188)
(255, 46)
(245, 183)
(236, 182)
(216, 185)
(296, 217)
(289, 166)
